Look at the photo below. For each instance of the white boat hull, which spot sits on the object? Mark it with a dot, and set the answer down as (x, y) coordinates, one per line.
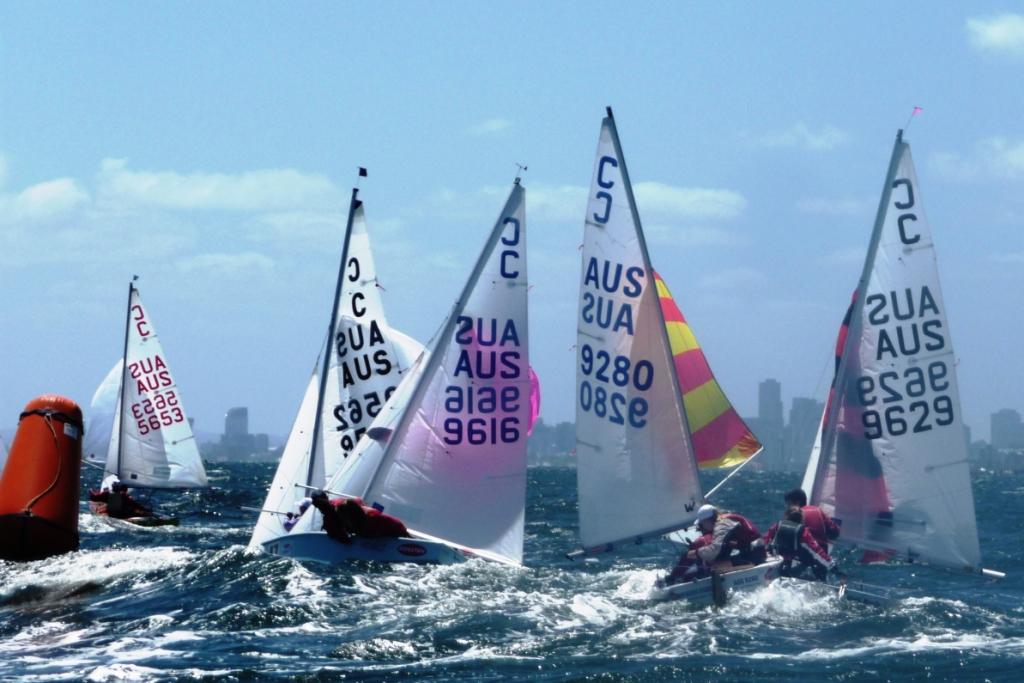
(319, 547)
(703, 591)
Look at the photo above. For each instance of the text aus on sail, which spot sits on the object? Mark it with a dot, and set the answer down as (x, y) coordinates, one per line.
(484, 401)
(909, 386)
(610, 381)
(362, 353)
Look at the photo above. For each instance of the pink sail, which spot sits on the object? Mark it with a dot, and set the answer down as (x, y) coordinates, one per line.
(534, 401)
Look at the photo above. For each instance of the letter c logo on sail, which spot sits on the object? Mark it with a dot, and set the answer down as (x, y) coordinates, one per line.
(358, 311)
(903, 206)
(141, 324)
(607, 184)
(909, 204)
(510, 256)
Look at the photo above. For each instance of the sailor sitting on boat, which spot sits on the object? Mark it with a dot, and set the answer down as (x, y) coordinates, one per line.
(722, 534)
(115, 501)
(348, 517)
(792, 541)
(822, 527)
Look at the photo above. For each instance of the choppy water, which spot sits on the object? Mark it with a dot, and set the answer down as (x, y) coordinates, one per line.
(189, 603)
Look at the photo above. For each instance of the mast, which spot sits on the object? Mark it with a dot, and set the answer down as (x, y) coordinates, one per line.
(438, 353)
(124, 375)
(353, 205)
(856, 319)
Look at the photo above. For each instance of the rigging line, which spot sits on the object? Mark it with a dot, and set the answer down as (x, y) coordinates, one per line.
(60, 465)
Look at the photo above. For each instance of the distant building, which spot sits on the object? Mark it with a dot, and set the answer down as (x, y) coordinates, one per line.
(769, 426)
(236, 423)
(236, 443)
(1007, 431)
(804, 417)
(769, 403)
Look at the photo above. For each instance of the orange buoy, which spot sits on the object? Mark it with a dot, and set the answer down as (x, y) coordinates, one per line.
(39, 484)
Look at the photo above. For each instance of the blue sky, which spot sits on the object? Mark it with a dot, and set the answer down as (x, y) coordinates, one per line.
(211, 150)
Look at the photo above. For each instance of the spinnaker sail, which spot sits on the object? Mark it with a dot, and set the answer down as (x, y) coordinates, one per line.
(891, 462)
(720, 436)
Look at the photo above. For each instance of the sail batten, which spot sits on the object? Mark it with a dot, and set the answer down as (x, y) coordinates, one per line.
(890, 461)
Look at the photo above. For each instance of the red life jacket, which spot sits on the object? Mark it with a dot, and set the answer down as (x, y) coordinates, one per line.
(820, 526)
(379, 525)
(371, 524)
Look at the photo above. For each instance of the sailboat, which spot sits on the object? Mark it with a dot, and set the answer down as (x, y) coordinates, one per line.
(447, 454)
(138, 425)
(362, 363)
(633, 439)
(890, 460)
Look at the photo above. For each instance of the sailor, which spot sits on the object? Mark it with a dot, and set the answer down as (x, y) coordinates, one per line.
(721, 534)
(822, 527)
(793, 542)
(120, 505)
(689, 566)
(746, 540)
(348, 517)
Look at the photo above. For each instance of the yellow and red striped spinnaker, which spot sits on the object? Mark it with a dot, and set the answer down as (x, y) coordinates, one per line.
(720, 436)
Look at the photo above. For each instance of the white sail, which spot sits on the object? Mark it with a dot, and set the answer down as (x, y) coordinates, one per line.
(366, 362)
(448, 454)
(102, 416)
(893, 458)
(632, 440)
(154, 447)
(283, 495)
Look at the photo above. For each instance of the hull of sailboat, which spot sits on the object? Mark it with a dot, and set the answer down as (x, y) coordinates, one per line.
(703, 591)
(319, 547)
(97, 509)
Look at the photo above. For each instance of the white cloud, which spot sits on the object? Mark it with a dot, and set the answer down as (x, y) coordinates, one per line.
(660, 202)
(490, 126)
(226, 265)
(1000, 35)
(693, 236)
(996, 157)
(834, 207)
(42, 201)
(799, 136)
(263, 190)
(733, 278)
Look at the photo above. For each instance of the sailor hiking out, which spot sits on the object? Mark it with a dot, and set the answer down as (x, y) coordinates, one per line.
(728, 539)
(348, 517)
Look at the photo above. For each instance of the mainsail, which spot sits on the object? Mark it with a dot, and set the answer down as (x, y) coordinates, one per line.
(447, 455)
(366, 360)
(150, 443)
(632, 439)
(891, 462)
(720, 436)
